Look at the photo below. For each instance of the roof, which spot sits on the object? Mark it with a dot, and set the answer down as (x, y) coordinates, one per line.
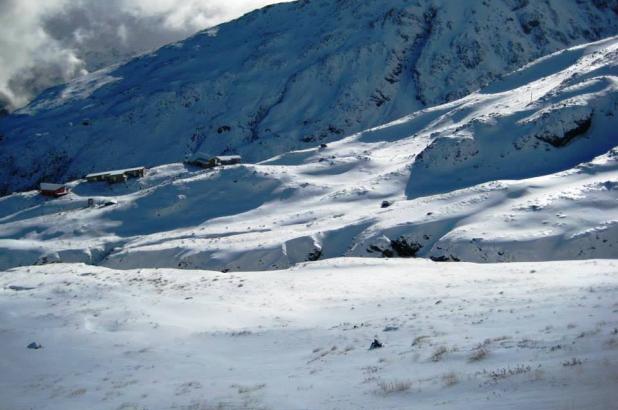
(45, 186)
(97, 174)
(199, 156)
(114, 172)
(228, 157)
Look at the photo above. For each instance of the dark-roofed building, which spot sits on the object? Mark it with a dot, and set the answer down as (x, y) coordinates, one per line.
(203, 161)
(228, 159)
(120, 175)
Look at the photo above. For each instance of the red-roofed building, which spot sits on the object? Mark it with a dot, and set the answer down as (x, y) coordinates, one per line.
(55, 190)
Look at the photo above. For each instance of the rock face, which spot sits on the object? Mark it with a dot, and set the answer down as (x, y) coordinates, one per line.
(285, 77)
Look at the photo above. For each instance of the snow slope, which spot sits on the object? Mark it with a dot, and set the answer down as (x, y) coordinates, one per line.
(525, 169)
(455, 336)
(283, 78)
(263, 285)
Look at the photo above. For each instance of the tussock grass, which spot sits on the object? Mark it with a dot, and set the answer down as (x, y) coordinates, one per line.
(394, 386)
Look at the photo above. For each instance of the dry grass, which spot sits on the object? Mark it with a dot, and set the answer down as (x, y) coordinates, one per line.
(573, 362)
(394, 386)
(419, 340)
(438, 354)
(450, 379)
(506, 372)
(249, 389)
(478, 354)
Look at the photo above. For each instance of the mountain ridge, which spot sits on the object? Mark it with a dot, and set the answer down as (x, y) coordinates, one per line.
(282, 78)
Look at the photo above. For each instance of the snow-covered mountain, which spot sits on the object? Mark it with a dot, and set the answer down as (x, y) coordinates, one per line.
(524, 169)
(286, 77)
(372, 131)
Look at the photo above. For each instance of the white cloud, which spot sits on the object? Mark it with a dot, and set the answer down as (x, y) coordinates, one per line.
(45, 42)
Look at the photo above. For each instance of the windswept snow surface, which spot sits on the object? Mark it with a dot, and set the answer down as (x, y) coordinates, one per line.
(455, 336)
(286, 77)
(523, 170)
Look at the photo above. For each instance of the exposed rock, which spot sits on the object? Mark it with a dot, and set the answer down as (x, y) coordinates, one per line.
(391, 328)
(405, 249)
(20, 288)
(224, 129)
(443, 258)
(376, 345)
(582, 126)
(315, 255)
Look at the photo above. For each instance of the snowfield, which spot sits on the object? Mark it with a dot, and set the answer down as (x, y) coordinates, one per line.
(523, 170)
(455, 336)
(426, 216)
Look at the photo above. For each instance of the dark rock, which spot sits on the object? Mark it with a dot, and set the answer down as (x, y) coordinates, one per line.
(391, 328)
(20, 288)
(387, 253)
(334, 130)
(376, 345)
(315, 255)
(582, 126)
(443, 258)
(35, 346)
(405, 249)
(224, 128)
(399, 247)
(528, 26)
(379, 99)
(386, 204)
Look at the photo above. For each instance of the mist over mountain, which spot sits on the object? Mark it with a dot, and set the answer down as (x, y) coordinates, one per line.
(48, 42)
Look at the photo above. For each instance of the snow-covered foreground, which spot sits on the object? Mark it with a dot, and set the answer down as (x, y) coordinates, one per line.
(456, 336)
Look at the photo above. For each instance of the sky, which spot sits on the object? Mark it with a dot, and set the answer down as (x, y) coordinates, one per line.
(46, 42)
